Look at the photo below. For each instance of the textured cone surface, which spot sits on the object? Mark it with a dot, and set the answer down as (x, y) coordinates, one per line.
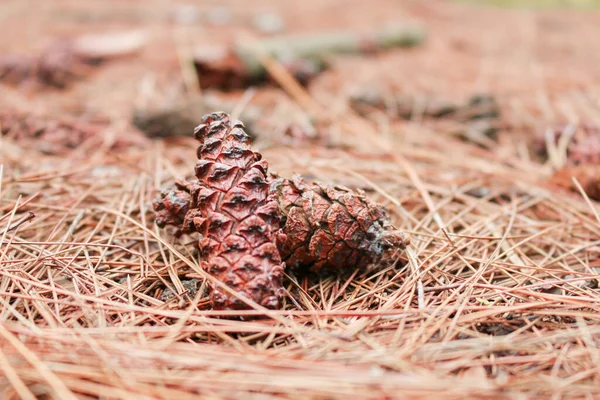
(237, 219)
(171, 207)
(332, 228)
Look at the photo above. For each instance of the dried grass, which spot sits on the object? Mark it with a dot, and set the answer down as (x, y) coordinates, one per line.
(499, 298)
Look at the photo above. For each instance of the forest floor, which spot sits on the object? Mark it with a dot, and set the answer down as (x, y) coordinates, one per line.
(500, 298)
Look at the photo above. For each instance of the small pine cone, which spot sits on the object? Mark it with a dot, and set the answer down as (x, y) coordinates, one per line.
(236, 217)
(332, 227)
(172, 206)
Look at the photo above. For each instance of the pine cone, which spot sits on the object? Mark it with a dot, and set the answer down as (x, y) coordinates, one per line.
(171, 207)
(231, 209)
(332, 227)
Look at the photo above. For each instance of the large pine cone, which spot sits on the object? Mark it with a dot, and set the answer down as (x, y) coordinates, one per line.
(229, 205)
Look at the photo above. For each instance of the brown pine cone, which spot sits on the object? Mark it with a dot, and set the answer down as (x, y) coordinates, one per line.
(236, 217)
(332, 227)
(171, 207)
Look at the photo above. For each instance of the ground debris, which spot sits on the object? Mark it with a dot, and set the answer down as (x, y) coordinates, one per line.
(588, 176)
(486, 230)
(476, 120)
(67, 60)
(304, 56)
(269, 23)
(94, 48)
(220, 68)
(405, 106)
(580, 142)
(56, 66)
(573, 150)
(181, 118)
(305, 134)
(55, 135)
(191, 287)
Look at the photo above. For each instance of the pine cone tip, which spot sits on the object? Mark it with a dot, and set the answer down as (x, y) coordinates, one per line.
(215, 122)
